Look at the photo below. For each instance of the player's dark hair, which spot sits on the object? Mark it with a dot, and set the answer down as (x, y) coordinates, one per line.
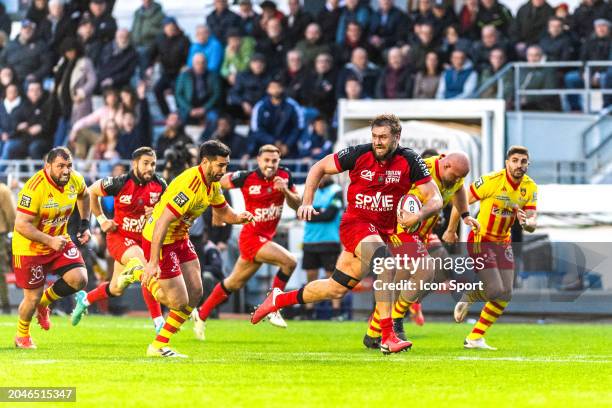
(143, 151)
(268, 149)
(517, 150)
(429, 153)
(390, 120)
(56, 152)
(213, 148)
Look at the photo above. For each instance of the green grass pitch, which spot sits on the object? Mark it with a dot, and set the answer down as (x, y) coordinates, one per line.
(316, 364)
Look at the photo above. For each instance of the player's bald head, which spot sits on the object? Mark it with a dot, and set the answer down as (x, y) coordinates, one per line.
(459, 162)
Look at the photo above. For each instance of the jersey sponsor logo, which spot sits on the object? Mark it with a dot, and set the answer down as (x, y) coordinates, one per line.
(128, 242)
(254, 190)
(273, 212)
(154, 197)
(176, 265)
(344, 152)
(372, 228)
(509, 254)
(535, 196)
(180, 199)
(107, 182)
(26, 201)
(72, 253)
(393, 176)
(125, 199)
(50, 204)
(367, 175)
(133, 224)
(423, 167)
(479, 182)
(378, 202)
(36, 274)
(54, 222)
(502, 212)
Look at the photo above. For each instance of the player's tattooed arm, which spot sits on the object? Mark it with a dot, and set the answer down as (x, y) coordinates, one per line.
(327, 165)
(24, 224)
(228, 215)
(95, 193)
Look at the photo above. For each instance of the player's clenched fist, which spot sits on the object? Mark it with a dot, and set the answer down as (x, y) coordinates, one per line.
(108, 225)
(245, 217)
(58, 243)
(281, 184)
(305, 212)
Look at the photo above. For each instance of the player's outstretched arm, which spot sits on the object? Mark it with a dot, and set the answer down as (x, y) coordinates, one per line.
(24, 224)
(326, 165)
(228, 215)
(95, 193)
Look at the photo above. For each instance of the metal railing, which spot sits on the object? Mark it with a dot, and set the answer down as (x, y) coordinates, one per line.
(518, 93)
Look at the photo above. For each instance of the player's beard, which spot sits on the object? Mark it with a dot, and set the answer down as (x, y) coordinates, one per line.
(143, 176)
(518, 173)
(383, 156)
(62, 180)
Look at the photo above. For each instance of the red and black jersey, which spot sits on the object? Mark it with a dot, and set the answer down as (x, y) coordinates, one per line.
(261, 199)
(376, 187)
(131, 197)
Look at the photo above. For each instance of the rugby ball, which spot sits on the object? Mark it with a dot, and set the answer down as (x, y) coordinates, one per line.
(411, 204)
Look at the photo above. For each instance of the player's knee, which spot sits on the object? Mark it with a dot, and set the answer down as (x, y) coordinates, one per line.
(493, 292)
(290, 263)
(76, 281)
(338, 291)
(340, 284)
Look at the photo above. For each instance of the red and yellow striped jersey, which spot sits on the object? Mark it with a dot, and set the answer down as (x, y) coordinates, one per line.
(51, 205)
(187, 197)
(499, 199)
(446, 192)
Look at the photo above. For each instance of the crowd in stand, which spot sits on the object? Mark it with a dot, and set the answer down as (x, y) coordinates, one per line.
(280, 74)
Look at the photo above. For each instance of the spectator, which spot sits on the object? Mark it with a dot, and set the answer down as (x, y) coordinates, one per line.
(221, 20)
(92, 47)
(294, 77)
(250, 87)
(28, 58)
(530, 23)
(538, 79)
(5, 21)
(328, 19)
(353, 10)
(208, 45)
(353, 92)
(103, 21)
(395, 81)
(8, 113)
(37, 12)
(361, 69)
(423, 13)
(557, 44)
(321, 90)
(312, 45)
(146, 27)
(7, 223)
(248, 18)
(276, 120)
(225, 133)
(297, 20)
(75, 81)
(389, 26)
(135, 130)
(128, 100)
(497, 60)
(491, 12)
(273, 46)
(174, 134)
(7, 77)
(587, 13)
(238, 53)
(452, 41)
(596, 48)
(268, 12)
(171, 49)
(423, 44)
(443, 16)
(490, 39)
(317, 143)
(32, 123)
(82, 135)
(468, 27)
(355, 38)
(198, 93)
(56, 26)
(105, 148)
(427, 79)
(459, 80)
(118, 61)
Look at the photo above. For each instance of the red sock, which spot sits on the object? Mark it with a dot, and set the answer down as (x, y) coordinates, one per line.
(152, 304)
(99, 293)
(280, 280)
(386, 326)
(218, 296)
(289, 298)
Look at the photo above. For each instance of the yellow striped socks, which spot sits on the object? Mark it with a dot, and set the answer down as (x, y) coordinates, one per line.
(48, 297)
(153, 287)
(174, 321)
(23, 328)
(374, 329)
(400, 308)
(490, 313)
